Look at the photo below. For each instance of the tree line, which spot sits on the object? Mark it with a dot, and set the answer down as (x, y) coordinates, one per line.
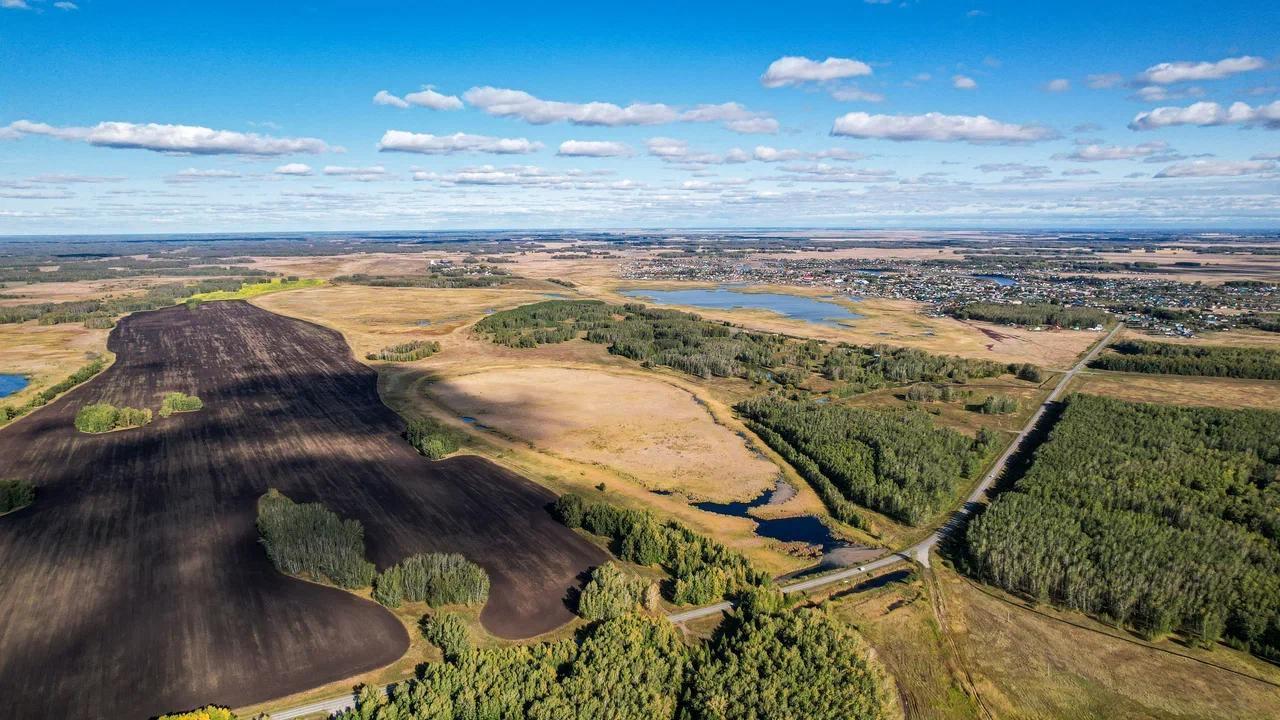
(11, 412)
(406, 352)
(1145, 356)
(471, 277)
(765, 662)
(895, 462)
(705, 348)
(1032, 314)
(702, 570)
(1157, 517)
(101, 312)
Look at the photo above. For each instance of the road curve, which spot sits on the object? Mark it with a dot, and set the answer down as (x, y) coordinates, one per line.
(918, 552)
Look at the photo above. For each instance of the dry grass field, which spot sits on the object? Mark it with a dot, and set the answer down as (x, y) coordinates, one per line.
(1240, 337)
(1180, 389)
(150, 531)
(46, 354)
(654, 433)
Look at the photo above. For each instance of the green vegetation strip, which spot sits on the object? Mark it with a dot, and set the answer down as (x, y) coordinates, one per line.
(1156, 517)
(406, 352)
(1032, 314)
(10, 412)
(1143, 356)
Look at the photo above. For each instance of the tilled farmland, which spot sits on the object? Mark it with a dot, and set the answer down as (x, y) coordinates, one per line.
(136, 585)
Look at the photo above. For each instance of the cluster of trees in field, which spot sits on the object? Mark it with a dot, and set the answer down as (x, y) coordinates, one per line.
(101, 313)
(895, 462)
(434, 578)
(705, 348)
(308, 539)
(1042, 314)
(176, 402)
(15, 494)
(469, 277)
(432, 438)
(1267, 322)
(1145, 356)
(763, 664)
(702, 570)
(10, 412)
(406, 352)
(998, 404)
(1157, 517)
(104, 417)
(613, 593)
(448, 632)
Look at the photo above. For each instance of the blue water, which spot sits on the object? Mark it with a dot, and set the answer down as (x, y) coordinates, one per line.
(10, 384)
(726, 298)
(806, 528)
(1002, 280)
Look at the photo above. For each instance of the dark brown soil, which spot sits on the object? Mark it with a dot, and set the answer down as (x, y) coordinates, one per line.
(135, 584)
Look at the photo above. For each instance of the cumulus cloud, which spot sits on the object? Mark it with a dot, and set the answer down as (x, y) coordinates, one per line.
(382, 97)
(518, 103)
(293, 169)
(64, 5)
(764, 153)
(180, 139)
(1218, 168)
(14, 5)
(428, 144)
(1209, 113)
(1094, 152)
(427, 98)
(978, 129)
(1058, 85)
(963, 82)
(1160, 93)
(594, 148)
(677, 151)
(853, 93)
(793, 70)
(1175, 72)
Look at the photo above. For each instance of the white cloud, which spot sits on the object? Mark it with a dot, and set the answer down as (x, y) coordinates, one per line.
(518, 103)
(63, 5)
(1209, 113)
(1094, 152)
(184, 139)
(14, 5)
(1175, 72)
(1058, 85)
(363, 174)
(427, 144)
(1160, 93)
(792, 70)
(594, 148)
(1104, 81)
(1218, 168)
(938, 127)
(677, 151)
(293, 169)
(196, 175)
(963, 82)
(764, 153)
(382, 97)
(822, 172)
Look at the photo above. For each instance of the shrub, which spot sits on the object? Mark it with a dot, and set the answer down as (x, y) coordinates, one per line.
(447, 632)
(102, 417)
(15, 494)
(1029, 372)
(176, 402)
(309, 539)
(406, 352)
(211, 712)
(434, 578)
(999, 405)
(432, 439)
(610, 593)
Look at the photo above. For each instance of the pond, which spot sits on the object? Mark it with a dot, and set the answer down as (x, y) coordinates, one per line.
(1001, 280)
(10, 384)
(795, 307)
(805, 528)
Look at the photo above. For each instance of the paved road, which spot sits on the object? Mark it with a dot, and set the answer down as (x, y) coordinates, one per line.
(918, 552)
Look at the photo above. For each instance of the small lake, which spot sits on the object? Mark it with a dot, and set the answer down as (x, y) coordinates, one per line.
(10, 384)
(805, 528)
(1001, 280)
(795, 307)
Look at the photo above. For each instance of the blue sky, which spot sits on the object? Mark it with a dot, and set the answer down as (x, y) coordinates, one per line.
(148, 117)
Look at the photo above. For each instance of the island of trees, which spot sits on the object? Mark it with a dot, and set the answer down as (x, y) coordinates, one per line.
(432, 438)
(15, 494)
(1156, 517)
(176, 402)
(1145, 356)
(406, 352)
(104, 417)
